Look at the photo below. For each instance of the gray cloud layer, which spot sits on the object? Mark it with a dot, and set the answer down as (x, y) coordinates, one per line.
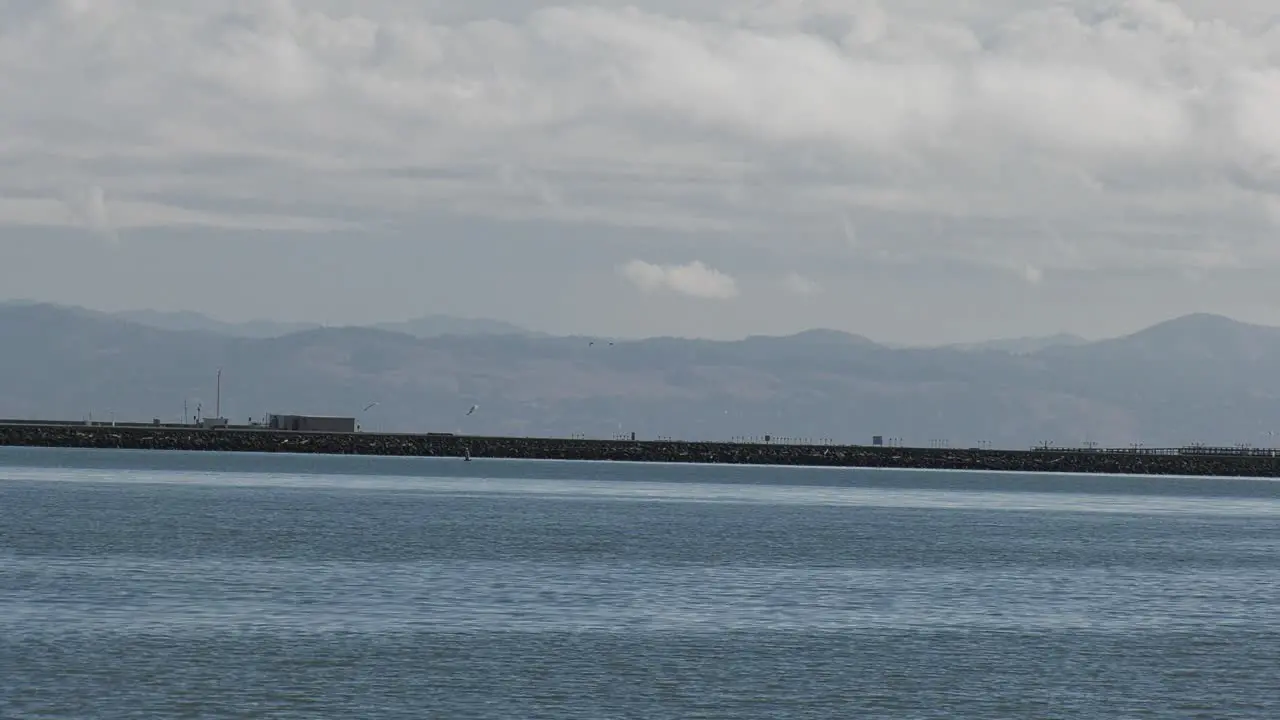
(1019, 138)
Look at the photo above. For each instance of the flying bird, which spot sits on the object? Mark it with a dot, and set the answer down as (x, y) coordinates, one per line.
(473, 409)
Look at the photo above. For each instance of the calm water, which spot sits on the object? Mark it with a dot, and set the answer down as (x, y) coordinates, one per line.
(200, 585)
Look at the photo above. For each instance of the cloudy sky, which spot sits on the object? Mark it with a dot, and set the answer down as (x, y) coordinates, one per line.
(916, 171)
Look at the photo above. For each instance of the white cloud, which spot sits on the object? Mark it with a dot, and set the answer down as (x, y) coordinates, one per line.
(89, 207)
(850, 234)
(801, 285)
(693, 279)
(1131, 124)
(85, 211)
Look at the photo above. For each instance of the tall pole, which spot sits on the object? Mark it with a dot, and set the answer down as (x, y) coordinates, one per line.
(217, 407)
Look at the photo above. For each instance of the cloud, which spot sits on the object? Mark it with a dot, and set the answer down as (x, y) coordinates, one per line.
(798, 284)
(522, 183)
(848, 232)
(1140, 127)
(693, 279)
(89, 207)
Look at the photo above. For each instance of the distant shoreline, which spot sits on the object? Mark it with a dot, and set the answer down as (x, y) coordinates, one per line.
(148, 437)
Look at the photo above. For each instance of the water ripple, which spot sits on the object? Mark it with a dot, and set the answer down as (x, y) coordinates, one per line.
(130, 588)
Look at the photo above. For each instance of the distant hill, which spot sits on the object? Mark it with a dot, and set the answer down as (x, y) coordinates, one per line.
(184, 321)
(437, 325)
(187, 321)
(1197, 378)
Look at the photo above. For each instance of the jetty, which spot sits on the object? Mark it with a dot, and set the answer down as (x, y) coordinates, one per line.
(1194, 460)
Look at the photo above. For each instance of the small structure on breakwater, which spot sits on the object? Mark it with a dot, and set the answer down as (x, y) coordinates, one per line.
(311, 423)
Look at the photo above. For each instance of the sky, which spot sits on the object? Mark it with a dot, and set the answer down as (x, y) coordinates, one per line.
(913, 171)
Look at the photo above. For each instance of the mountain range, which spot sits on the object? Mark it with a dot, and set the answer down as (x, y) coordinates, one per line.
(433, 325)
(1197, 378)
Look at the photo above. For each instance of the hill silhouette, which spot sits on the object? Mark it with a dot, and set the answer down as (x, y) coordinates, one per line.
(1199, 378)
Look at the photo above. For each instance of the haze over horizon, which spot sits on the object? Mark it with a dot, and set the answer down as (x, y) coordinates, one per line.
(1194, 379)
(915, 172)
(184, 319)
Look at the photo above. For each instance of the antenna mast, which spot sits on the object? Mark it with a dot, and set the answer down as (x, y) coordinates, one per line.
(217, 407)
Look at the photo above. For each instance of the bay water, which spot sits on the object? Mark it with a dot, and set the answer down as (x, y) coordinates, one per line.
(205, 585)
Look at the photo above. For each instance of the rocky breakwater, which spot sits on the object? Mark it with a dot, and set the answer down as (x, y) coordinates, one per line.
(146, 437)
